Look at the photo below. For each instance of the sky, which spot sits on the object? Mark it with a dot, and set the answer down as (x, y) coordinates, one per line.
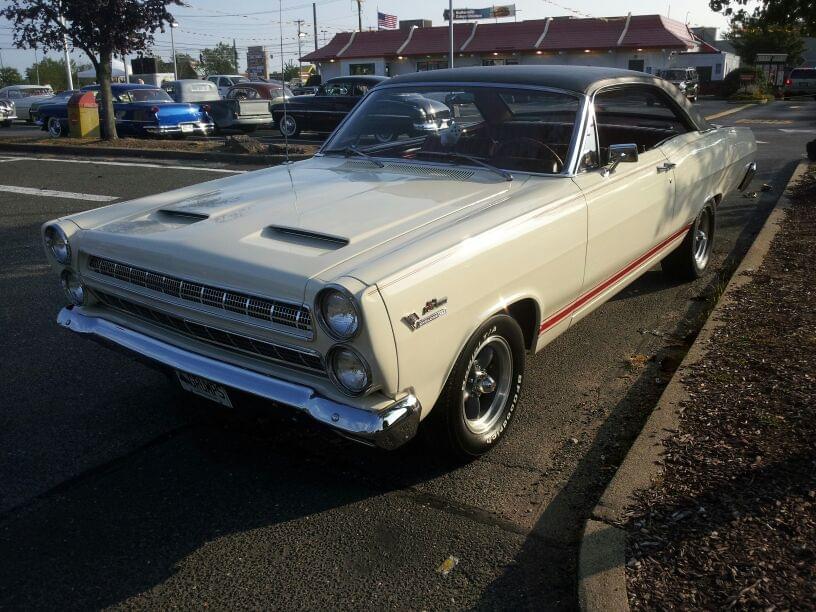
(203, 23)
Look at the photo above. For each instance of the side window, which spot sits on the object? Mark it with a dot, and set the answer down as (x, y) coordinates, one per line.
(638, 114)
(224, 82)
(213, 79)
(360, 89)
(338, 88)
(14, 95)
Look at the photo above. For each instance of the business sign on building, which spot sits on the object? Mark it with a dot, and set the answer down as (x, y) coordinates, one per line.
(491, 12)
(258, 62)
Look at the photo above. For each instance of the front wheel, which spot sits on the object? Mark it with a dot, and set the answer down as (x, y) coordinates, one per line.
(289, 126)
(55, 129)
(479, 399)
(689, 260)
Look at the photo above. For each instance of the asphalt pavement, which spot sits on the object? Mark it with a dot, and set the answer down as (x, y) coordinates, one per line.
(117, 491)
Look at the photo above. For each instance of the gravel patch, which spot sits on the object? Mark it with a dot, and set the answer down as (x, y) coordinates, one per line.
(732, 522)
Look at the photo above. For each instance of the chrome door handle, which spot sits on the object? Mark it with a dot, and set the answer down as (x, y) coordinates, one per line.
(666, 167)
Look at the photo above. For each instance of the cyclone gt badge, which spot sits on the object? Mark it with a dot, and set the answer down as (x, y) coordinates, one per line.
(431, 311)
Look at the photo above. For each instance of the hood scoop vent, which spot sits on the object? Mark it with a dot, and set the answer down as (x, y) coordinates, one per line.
(459, 174)
(181, 216)
(304, 238)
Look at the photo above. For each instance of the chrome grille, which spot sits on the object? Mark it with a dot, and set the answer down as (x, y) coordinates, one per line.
(281, 313)
(258, 349)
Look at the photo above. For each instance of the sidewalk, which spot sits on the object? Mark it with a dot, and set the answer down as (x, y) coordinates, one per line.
(731, 523)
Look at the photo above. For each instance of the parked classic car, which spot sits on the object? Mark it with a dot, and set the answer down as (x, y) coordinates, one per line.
(247, 106)
(685, 79)
(191, 90)
(380, 284)
(7, 113)
(61, 97)
(225, 81)
(24, 96)
(325, 110)
(140, 110)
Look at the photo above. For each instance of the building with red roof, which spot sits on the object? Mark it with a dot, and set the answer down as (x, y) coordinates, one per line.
(648, 43)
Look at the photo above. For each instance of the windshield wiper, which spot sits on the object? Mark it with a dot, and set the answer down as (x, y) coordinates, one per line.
(474, 160)
(353, 150)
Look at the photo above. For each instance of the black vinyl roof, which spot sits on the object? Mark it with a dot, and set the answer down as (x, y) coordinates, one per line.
(578, 79)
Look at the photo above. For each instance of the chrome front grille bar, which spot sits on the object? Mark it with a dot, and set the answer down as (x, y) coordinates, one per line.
(273, 311)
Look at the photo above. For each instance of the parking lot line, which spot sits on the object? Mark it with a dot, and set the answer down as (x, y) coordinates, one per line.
(730, 111)
(127, 164)
(51, 193)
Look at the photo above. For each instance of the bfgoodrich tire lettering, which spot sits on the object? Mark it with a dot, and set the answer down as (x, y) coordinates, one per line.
(479, 400)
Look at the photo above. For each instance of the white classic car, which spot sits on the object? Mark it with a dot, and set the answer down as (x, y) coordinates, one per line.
(454, 223)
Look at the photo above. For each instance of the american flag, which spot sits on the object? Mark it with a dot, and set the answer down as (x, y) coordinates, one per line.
(386, 21)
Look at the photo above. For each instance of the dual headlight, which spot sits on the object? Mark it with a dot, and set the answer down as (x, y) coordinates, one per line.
(56, 241)
(339, 315)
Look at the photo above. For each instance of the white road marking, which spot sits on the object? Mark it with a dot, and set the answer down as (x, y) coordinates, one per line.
(51, 193)
(9, 159)
(129, 164)
(761, 142)
(797, 131)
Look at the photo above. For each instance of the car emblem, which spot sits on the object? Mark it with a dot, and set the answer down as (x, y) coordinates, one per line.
(432, 310)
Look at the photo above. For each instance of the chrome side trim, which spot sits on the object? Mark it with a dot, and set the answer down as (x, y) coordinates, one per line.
(387, 429)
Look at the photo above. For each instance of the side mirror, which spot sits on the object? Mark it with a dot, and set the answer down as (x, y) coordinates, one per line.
(620, 153)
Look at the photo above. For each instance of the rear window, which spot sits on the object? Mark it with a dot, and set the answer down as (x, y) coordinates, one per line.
(803, 73)
(25, 93)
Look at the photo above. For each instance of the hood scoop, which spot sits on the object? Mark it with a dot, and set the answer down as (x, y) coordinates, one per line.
(181, 216)
(304, 238)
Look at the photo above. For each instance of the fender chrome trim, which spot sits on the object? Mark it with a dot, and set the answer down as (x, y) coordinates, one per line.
(750, 172)
(388, 428)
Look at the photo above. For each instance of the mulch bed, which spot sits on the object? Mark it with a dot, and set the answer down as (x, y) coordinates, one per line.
(732, 523)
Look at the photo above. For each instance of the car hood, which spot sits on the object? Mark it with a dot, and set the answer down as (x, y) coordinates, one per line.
(272, 230)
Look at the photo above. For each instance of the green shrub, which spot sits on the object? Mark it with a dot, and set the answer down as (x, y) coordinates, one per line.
(733, 83)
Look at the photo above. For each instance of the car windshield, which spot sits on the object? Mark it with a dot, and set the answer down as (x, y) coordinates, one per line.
(509, 128)
(675, 75)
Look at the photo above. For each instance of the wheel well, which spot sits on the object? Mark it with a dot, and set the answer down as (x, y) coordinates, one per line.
(525, 312)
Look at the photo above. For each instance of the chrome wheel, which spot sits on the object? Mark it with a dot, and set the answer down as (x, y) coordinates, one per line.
(288, 126)
(54, 127)
(703, 231)
(486, 388)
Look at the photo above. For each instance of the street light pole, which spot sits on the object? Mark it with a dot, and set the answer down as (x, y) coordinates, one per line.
(450, 26)
(68, 77)
(173, 25)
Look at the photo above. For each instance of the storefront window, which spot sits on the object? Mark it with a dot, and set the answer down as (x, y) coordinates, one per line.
(361, 69)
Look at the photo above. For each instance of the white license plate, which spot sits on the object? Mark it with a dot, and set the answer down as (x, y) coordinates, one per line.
(187, 128)
(204, 388)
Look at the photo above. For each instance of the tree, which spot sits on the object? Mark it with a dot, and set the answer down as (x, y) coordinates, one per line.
(290, 71)
(52, 72)
(796, 14)
(100, 28)
(10, 76)
(749, 40)
(186, 66)
(219, 60)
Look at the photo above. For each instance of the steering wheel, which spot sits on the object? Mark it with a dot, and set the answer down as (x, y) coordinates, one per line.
(538, 143)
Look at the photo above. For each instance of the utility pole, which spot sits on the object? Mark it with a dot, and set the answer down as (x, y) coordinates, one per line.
(314, 21)
(173, 25)
(300, 35)
(450, 26)
(68, 77)
(37, 65)
(359, 15)
(235, 54)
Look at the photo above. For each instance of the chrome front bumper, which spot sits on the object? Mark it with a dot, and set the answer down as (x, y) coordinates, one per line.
(388, 428)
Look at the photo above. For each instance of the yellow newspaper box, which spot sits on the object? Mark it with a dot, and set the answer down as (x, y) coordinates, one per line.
(83, 115)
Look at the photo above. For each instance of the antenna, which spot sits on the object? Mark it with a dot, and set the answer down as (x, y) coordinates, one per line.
(283, 77)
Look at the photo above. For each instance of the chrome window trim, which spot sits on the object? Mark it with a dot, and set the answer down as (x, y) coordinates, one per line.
(569, 166)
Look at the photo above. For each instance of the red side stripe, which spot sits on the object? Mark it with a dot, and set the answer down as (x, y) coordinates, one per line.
(572, 307)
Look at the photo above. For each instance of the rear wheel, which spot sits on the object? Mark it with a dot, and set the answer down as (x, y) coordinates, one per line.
(55, 129)
(289, 126)
(480, 396)
(689, 260)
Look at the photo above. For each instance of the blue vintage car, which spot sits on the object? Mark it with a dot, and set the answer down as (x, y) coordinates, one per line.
(140, 110)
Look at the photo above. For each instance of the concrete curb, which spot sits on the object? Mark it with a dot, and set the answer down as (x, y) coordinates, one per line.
(602, 553)
(226, 158)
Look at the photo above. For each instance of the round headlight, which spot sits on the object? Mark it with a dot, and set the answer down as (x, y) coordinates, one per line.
(339, 315)
(349, 371)
(57, 243)
(73, 288)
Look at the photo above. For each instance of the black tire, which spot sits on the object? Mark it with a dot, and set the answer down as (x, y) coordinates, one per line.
(7, 123)
(288, 126)
(689, 260)
(55, 128)
(248, 129)
(455, 425)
